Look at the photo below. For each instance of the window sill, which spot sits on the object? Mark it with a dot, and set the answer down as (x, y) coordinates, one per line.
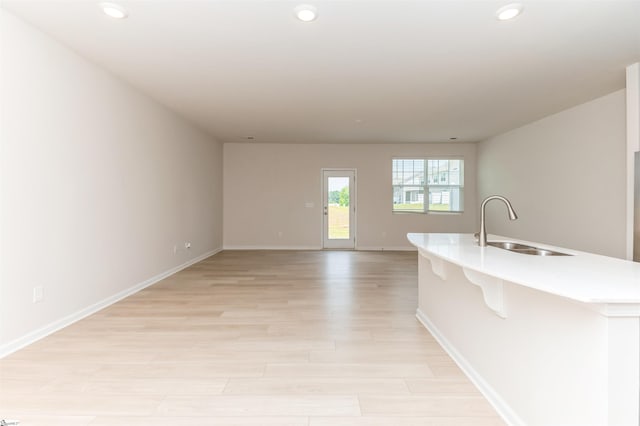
(434, 212)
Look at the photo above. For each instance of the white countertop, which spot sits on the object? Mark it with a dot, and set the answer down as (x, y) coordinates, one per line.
(583, 277)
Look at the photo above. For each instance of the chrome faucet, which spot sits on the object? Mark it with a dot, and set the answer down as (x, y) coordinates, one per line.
(482, 235)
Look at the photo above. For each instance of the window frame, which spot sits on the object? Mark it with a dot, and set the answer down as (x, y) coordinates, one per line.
(426, 186)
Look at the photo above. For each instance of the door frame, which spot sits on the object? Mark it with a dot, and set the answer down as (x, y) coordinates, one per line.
(351, 242)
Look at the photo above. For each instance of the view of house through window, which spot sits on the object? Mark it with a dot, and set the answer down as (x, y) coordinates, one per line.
(441, 179)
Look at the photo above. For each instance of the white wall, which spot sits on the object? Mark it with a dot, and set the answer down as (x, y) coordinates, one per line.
(98, 184)
(565, 175)
(266, 187)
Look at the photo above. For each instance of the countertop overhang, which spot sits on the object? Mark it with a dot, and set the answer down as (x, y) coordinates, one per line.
(612, 284)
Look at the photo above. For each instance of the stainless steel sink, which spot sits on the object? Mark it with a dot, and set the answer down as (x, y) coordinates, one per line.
(508, 245)
(525, 249)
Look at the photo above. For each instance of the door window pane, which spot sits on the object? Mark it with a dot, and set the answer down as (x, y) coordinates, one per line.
(338, 209)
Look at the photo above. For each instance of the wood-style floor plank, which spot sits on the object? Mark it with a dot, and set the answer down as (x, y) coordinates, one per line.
(315, 386)
(404, 421)
(312, 338)
(263, 406)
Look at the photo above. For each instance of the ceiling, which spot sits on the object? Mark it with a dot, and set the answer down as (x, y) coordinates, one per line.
(363, 71)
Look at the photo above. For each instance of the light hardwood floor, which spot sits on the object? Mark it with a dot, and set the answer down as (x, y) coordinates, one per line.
(325, 338)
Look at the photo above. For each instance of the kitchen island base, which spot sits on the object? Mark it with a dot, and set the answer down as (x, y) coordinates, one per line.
(540, 359)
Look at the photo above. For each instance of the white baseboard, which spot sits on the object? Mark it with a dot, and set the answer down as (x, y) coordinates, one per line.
(272, 247)
(42, 332)
(499, 404)
(359, 248)
(378, 248)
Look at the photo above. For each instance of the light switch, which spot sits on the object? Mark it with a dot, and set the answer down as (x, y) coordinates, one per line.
(38, 294)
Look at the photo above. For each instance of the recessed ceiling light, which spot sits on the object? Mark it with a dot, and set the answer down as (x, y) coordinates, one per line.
(114, 10)
(509, 11)
(306, 12)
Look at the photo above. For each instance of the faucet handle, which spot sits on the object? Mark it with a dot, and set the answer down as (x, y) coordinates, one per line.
(477, 236)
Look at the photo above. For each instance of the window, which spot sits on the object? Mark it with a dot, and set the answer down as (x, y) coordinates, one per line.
(442, 179)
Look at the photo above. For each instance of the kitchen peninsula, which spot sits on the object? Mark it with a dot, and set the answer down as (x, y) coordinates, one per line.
(547, 339)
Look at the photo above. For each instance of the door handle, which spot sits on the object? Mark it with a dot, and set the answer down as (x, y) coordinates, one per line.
(325, 210)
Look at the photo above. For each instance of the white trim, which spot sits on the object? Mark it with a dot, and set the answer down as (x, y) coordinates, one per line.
(307, 248)
(378, 248)
(500, 405)
(633, 145)
(42, 332)
(266, 247)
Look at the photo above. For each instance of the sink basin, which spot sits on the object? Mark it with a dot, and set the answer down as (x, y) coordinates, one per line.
(525, 249)
(541, 252)
(508, 245)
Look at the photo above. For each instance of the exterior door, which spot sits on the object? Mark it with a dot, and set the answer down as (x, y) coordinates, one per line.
(339, 207)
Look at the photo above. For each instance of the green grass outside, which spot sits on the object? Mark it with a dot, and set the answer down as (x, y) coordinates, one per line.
(338, 222)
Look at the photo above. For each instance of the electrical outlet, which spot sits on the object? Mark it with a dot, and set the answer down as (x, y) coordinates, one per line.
(175, 249)
(187, 245)
(38, 294)
(279, 234)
